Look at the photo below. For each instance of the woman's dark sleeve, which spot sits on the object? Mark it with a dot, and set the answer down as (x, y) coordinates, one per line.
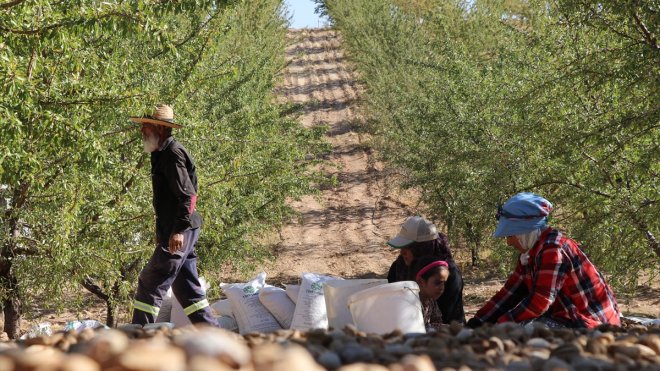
(451, 300)
(398, 271)
(391, 275)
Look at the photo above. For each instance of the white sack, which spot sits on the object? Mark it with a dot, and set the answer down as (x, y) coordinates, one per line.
(278, 304)
(228, 323)
(336, 299)
(223, 308)
(310, 310)
(248, 311)
(292, 292)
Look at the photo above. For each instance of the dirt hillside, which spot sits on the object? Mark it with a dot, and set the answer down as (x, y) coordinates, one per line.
(342, 232)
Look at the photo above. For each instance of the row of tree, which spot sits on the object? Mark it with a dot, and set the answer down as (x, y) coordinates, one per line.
(74, 181)
(477, 100)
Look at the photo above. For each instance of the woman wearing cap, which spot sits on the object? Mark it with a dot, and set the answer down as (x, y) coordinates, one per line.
(554, 282)
(418, 238)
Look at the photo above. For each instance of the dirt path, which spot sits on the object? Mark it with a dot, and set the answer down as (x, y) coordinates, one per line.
(343, 232)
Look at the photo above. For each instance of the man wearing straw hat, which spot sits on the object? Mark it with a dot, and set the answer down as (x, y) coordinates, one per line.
(174, 262)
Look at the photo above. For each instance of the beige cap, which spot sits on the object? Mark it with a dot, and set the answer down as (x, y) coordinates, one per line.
(414, 229)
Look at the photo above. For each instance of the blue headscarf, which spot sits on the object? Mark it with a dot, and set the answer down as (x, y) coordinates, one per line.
(522, 213)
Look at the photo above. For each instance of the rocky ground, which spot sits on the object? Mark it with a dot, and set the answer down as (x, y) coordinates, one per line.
(509, 347)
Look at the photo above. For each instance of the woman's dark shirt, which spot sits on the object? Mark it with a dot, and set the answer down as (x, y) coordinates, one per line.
(451, 300)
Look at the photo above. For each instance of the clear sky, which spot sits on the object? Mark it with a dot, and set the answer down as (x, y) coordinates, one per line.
(301, 13)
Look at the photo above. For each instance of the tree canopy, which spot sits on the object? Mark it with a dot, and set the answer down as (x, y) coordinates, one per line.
(475, 101)
(72, 170)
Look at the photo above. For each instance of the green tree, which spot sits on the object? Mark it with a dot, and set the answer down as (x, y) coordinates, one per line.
(475, 101)
(78, 209)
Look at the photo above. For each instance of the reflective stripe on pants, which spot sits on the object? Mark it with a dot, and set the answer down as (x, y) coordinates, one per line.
(195, 307)
(179, 271)
(138, 305)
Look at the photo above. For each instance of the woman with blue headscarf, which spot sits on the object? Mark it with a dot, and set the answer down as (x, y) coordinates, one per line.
(554, 282)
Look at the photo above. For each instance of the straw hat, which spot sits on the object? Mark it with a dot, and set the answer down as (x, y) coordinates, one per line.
(164, 115)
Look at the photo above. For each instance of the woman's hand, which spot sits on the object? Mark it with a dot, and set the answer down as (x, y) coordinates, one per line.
(474, 322)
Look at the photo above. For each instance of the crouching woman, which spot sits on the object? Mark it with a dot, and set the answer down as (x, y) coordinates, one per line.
(554, 282)
(419, 238)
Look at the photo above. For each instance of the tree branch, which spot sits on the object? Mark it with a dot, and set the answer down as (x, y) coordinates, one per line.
(93, 100)
(10, 4)
(650, 238)
(192, 35)
(128, 268)
(598, 165)
(95, 289)
(559, 182)
(647, 35)
(70, 22)
(227, 177)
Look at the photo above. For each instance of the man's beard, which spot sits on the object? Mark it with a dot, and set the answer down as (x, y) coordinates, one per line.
(150, 143)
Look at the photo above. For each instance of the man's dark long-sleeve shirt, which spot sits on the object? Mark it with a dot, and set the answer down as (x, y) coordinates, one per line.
(175, 189)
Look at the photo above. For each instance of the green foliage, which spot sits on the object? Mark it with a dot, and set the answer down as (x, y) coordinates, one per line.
(476, 101)
(72, 167)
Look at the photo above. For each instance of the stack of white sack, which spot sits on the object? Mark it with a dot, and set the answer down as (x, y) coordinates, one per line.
(319, 302)
(250, 314)
(311, 312)
(258, 307)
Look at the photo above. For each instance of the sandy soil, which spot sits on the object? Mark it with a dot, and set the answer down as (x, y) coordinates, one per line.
(343, 231)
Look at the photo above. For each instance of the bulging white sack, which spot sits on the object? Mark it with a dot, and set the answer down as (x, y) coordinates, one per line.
(292, 292)
(310, 310)
(278, 304)
(228, 323)
(248, 311)
(223, 308)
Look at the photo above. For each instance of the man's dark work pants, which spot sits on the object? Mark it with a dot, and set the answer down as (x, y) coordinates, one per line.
(178, 271)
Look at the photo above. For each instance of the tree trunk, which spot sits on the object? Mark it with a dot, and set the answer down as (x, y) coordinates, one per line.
(475, 242)
(650, 238)
(11, 301)
(475, 252)
(12, 307)
(111, 314)
(111, 309)
(113, 296)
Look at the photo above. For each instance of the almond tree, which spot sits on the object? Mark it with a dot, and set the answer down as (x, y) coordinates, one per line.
(475, 101)
(78, 209)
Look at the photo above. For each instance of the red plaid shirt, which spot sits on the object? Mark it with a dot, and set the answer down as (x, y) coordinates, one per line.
(558, 281)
